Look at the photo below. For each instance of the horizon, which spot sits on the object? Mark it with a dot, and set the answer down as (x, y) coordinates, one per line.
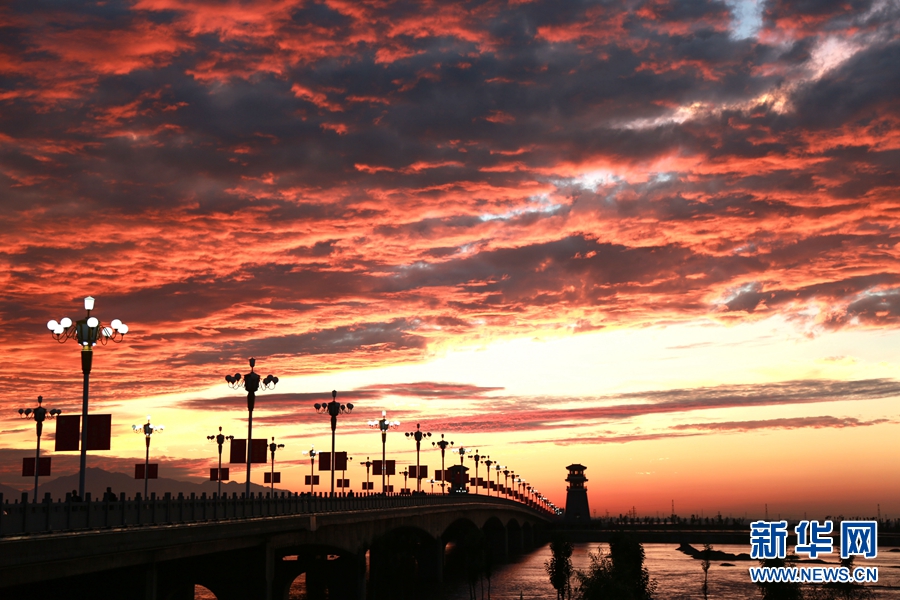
(236, 489)
(657, 240)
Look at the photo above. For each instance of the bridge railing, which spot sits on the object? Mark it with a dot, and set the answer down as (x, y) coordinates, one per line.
(23, 517)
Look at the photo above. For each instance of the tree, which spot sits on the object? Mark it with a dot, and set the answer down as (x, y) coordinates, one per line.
(779, 590)
(704, 564)
(559, 567)
(618, 575)
(840, 590)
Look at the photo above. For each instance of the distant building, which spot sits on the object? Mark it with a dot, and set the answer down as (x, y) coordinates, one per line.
(458, 479)
(577, 510)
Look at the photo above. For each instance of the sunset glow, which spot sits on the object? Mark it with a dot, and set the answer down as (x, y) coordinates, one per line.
(660, 239)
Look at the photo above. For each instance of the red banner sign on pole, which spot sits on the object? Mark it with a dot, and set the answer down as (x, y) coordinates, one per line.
(421, 473)
(28, 467)
(99, 432)
(314, 482)
(68, 433)
(152, 472)
(238, 452)
(218, 474)
(268, 477)
(340, 461)
(258, 449)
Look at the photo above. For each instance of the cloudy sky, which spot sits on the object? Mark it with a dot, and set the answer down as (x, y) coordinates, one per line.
(657, 238)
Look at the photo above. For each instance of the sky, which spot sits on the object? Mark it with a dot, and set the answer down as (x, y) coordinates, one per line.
(659, 239)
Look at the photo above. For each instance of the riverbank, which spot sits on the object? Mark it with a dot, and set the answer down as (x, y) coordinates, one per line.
(678, 536)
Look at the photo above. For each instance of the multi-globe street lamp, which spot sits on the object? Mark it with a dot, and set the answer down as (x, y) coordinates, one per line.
(39, 413)
(418, 435)
(87, 332)
(405, 473)
(220, 440)
(506, 473)
(443, 445)
(333, 409)
(312, 466)
(499, 468)
(272, 448)
(477, 459)
(487, 463)
(147, 429)
(383, 424)
(251, 382)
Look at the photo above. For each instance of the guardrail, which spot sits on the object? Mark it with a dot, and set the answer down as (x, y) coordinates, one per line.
(23, 517)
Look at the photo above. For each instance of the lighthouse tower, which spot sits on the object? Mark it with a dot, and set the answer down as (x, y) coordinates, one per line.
(577, 510)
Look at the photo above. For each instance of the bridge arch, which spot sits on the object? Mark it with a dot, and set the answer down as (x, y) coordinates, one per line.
(404, 559)
(514, 543)
(202, 592)
(528, 543)
(496, 538)
(465, 551)
(330, 571)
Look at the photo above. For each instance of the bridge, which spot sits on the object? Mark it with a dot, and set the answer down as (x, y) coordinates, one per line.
(246, 548)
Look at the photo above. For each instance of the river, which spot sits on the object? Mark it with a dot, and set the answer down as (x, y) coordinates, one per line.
(678, 576)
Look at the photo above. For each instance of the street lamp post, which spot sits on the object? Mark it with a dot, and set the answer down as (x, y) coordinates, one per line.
(344, 476)
(499, 468)
(442, 444)
(147, 429)
(476, 458)
(220, 440)
(251, 383)
(312, 466)
(39, 413)
(272, 448)
(462, 453)
(418, 435)
(487, 463)
(333, 408)
(506, 482)
(383, 424)
(405, 473)
(87, 332)
(367, 465)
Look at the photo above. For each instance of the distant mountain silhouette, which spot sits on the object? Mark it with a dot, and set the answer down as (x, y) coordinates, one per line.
(97, 480)
(12, 493)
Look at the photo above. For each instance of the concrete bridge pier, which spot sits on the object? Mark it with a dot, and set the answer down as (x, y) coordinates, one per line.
(528, 537)
(514, 542)
(246, 574)
(150, 587)
(430, 561)
(328, 575)
(497, 541)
